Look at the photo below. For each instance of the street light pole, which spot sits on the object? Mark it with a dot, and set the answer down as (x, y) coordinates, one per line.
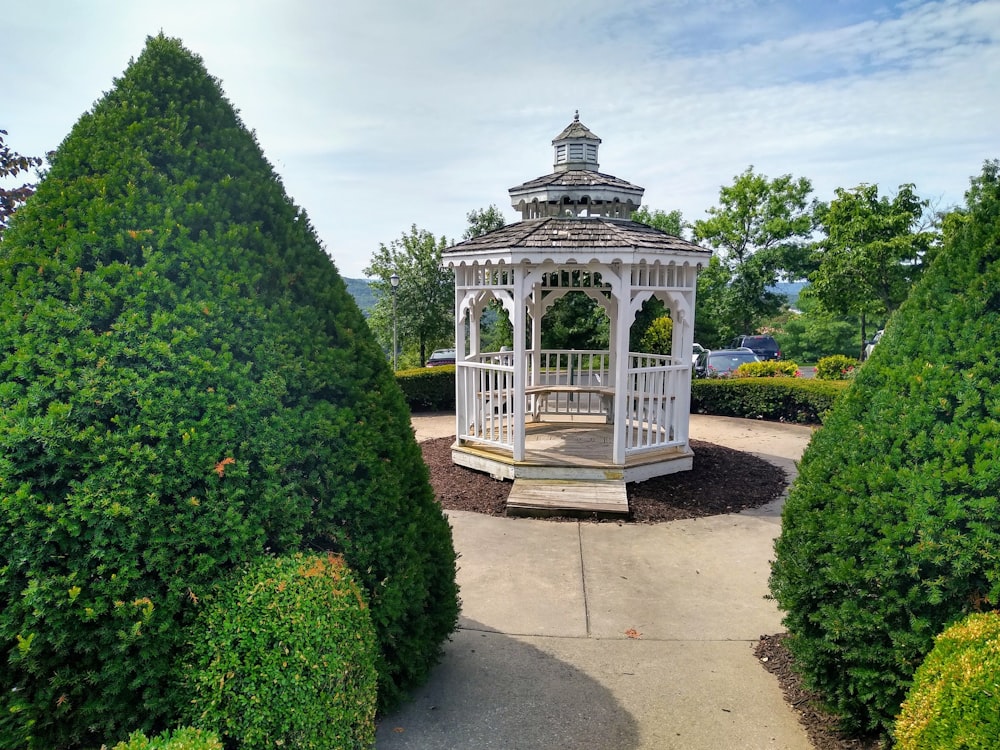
(394, 284)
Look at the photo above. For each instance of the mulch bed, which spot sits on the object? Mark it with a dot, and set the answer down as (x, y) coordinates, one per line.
(722, 480)
(819, 725)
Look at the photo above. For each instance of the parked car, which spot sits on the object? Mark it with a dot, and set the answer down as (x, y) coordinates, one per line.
(870, 345)
(441, 357)
(764, 347)
(696, 349)
(715, 363)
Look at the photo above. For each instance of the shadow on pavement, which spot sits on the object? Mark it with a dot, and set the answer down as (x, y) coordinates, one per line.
(495, 691)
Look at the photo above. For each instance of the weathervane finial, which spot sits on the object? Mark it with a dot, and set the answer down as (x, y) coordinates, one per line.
(576, 116)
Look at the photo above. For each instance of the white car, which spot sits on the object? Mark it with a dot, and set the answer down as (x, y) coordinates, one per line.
(870, 345)
(696, 349)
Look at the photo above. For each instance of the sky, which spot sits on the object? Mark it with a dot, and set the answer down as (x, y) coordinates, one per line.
(385, 114)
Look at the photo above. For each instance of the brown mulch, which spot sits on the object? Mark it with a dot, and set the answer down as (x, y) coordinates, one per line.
(722, 480)
(820, 726)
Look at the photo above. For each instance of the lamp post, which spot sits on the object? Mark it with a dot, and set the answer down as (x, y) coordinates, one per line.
(394, 284)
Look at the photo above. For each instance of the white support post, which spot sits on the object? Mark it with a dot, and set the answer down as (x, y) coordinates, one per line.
(518, 322)
(461, 413)
(682, 350)
(621, 294)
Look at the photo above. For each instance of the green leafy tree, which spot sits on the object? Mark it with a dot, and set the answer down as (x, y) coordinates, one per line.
(812, 331)
(185, 386)
(713, 325)
(659, 336)
(892, 529)
(11, 165)
(672, 223)
(575, 321)
(872, 252)
(760, 228)
(425, 299)
(483, 221)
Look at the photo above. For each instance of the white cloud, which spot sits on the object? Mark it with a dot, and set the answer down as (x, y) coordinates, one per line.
(395, 112)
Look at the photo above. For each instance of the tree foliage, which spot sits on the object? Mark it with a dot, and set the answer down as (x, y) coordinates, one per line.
(425, 299)
(670, 222)
(11, 165)
(483, 221)
(185, 386)
(872, 252)
(892, 529)
(760, 228)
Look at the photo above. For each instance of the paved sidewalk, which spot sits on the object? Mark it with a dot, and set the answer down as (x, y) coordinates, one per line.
(610, 636)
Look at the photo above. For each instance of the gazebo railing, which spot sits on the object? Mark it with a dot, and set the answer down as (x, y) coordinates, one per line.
(654, 384)
(571, 383)
(487, 407)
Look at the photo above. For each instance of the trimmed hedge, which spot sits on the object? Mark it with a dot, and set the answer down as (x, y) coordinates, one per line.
(181, 739)
(428, 388)
(185, 385)
(892, 529)
(776, 399)
(285, 656)
(837, 367)
(955, 698)
(767, 369)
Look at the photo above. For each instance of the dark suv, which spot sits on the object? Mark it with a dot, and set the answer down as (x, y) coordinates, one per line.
(764, 347)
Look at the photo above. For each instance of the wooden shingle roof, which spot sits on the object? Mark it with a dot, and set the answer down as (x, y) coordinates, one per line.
(577, 232)
(576, 178)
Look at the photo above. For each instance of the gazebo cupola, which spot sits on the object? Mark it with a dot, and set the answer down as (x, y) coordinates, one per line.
(575, 187)
(576, 236)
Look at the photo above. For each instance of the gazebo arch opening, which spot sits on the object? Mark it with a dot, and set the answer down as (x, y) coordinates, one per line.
(626, 410)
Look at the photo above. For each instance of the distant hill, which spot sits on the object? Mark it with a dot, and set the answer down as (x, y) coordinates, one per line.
(790, 289)
(361, 290)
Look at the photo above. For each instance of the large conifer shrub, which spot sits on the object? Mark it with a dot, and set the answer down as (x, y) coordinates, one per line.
(185, 385)
(892, 529)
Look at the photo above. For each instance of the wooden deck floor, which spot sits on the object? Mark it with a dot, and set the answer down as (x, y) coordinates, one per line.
(568, 450)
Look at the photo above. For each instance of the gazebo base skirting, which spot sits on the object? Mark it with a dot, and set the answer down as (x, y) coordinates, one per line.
(569, 450)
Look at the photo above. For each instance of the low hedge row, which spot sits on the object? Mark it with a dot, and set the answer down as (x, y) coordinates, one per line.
(778, 399)
(774, 399)
(428, 388)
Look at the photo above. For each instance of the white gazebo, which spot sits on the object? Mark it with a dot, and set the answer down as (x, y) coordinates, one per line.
(532, 413)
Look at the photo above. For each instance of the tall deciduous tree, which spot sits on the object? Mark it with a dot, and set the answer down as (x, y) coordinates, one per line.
(11, 165)
(872, 252)
(670, 222)
(760, 228)
(482, 221)
(424, 305)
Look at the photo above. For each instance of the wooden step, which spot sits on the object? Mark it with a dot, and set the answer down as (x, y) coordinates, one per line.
(568, 497)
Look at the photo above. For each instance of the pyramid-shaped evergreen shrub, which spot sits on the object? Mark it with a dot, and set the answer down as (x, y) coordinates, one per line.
(185, 385)
(892, 530)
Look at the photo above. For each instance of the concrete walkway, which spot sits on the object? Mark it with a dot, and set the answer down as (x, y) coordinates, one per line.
(611, 636)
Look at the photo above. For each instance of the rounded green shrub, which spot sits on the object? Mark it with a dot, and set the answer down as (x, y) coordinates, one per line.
(185, 386)
(180, 739)
(767, 369)
(892, 529)
(284, 656)
(836, 367)
(955, 698)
